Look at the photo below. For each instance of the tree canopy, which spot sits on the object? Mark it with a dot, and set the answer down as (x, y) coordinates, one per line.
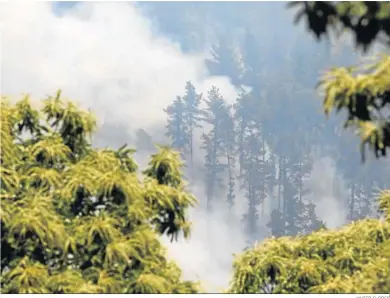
(367, 21)
(75, 219)
(353, 259)
(363, 91)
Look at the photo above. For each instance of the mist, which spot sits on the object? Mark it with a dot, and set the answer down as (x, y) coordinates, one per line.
(112, 59)
(105, 57)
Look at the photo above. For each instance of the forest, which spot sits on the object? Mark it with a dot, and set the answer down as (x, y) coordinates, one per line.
(76, 218)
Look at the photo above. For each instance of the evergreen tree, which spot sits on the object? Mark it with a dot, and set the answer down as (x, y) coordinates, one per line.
(252, 60)
(254, 177)
(177, 129)
(276, 224)
(217, 142)
(192, 116)
(243, 115)
(228, 139)
(224, 61)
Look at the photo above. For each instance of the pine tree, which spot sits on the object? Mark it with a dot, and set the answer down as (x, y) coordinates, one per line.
(192, 116)
(229, 144)
(224, 60)
(243, 117)
(218, 142)
(276, 224)
(254, 177)
(253, 58)
(177, 129)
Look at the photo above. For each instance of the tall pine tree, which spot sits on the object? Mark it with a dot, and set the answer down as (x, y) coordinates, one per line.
(217, 142)
(177, 129)
(192, 115)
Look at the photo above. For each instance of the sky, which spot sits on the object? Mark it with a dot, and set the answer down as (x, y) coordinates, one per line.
(107, 57)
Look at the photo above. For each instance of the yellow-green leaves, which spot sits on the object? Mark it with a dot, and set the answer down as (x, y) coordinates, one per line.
(148, 283)
(384, 203)
(364, 93)
(8, 118)
(27, 116)
(79, 220)
(28, 278)
(350, 260)
(50, 150)
(165, 167)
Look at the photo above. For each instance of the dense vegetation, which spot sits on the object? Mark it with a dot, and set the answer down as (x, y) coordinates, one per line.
(353, 259)
(75, 219)
(86, 221)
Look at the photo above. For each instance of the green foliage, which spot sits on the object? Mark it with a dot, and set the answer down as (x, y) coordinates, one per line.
(75, 219)
(364, 92)
(354, 259)
(367, 21)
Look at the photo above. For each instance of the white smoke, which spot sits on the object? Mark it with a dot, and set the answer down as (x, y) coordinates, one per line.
(327, 189)
(106, 57)
(103, 55)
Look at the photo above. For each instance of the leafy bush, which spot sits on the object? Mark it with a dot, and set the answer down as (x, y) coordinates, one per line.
(75, 219)
(354, 259)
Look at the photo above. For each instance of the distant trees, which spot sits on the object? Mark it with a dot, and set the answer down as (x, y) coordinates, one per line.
(193, 118)
(177, 129)
(216, 115)
(75, 219)
(184, 116)
(355, 258)
(276, 134)
(244, 134)
(253, 178)
(225, 60)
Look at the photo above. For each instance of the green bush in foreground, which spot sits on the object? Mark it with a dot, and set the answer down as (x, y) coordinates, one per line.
(79, 220)
(353, 259)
